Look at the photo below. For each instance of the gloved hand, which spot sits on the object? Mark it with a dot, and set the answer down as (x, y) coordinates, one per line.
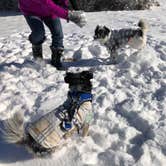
(78, 17)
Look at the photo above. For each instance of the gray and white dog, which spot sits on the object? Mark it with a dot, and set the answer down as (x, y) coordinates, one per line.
(115, 39)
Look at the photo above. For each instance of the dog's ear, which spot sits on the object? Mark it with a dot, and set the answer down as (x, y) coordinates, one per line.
(106, 30)
(97, 28)
(96, 32)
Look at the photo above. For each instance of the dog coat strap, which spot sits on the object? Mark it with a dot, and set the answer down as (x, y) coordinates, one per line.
(77, 99)
(80, 112)
(85, 97)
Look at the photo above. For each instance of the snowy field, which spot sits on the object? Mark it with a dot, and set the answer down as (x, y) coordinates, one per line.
(129, 126)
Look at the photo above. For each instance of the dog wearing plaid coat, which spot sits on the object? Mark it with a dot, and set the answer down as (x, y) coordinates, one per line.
(45, 135)
(115, 39)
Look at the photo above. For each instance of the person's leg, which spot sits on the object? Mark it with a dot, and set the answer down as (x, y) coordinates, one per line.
(57, 40)
(56, 31)
(37, 35)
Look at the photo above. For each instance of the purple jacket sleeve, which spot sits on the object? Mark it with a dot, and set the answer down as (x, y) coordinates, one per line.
(57, 10)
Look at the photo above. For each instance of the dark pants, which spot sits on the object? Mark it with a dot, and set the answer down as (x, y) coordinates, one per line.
(37, 35)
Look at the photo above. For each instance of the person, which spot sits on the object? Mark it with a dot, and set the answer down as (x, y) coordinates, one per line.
(48, 12)
(48, 132)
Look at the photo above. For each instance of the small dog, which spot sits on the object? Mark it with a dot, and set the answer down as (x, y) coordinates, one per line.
(115, 39)
(46, 134)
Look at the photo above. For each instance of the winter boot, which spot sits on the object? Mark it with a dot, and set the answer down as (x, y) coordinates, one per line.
(37, 51)
(56, 57)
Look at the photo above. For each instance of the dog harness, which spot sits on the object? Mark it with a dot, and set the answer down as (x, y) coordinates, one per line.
(76, 99)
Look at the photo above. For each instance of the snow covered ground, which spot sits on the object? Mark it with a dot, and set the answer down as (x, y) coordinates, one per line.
(129, 126)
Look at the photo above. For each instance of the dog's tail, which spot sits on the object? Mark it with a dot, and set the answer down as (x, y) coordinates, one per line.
(13, 129)
(143, 25)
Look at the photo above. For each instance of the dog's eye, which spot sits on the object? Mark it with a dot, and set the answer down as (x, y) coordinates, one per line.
(106, 33)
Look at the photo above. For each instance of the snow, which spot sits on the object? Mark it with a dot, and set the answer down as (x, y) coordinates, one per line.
(129, 126)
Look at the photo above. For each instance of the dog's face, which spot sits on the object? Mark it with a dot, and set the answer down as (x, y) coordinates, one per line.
(101, 33)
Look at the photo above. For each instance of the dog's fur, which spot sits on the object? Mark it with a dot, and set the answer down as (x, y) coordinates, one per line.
(13, 131)
(114, 39)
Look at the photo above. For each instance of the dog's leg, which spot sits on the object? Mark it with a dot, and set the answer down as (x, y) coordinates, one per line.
(85, 130)
(113, 57)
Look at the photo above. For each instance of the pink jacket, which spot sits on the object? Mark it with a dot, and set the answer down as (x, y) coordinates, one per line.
(44, 8)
